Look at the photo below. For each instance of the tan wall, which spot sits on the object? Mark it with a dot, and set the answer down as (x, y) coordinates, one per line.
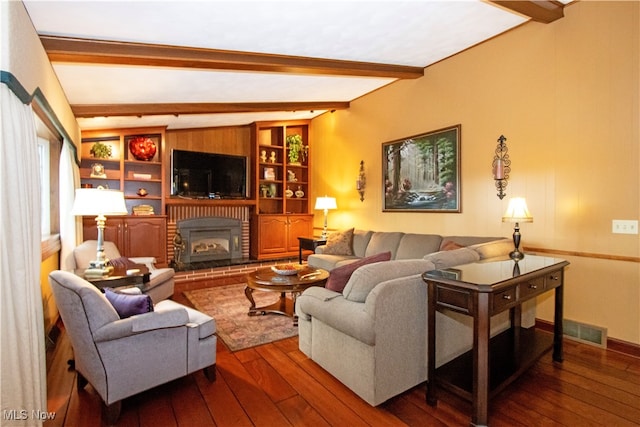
(566, 96)
(23, 56)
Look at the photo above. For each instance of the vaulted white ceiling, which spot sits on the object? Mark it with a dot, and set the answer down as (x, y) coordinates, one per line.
(354, 34)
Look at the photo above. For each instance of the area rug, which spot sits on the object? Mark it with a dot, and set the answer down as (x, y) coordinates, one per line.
(229, 307)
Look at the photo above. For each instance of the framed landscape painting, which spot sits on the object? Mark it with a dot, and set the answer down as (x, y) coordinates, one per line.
(422, 173)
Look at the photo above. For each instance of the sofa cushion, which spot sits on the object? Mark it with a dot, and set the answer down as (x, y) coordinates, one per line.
(128, 305)
(367, 277)
(361, 240)
(445, 259)
(339, 243)
(415, 246)
(493, 249)
(382, 242)
(340, 276)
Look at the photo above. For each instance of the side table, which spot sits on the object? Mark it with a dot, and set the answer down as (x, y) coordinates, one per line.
(481, 290)
(309, 243)
(119, 278)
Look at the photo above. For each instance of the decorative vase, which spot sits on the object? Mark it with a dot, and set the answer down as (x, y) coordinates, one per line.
(288, 193)
(142, 148)
(273, 190)
(299, 193)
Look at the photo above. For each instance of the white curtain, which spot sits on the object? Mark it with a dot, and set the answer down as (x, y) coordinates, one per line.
(70, 226)
(22, 345)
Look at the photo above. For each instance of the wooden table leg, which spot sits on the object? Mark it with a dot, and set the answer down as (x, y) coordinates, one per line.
(248, 292)
(431, 395)
(558, 353)
(481, 335)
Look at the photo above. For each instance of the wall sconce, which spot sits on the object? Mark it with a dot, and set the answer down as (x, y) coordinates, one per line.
(501, 167)
(361, 182)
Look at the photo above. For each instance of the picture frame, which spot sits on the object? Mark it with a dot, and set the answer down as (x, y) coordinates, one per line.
(421, 173)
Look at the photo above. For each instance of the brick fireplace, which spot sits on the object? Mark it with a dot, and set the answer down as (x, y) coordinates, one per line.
(178, 213)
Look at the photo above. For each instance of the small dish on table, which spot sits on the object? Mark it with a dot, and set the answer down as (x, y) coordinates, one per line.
(287, 269)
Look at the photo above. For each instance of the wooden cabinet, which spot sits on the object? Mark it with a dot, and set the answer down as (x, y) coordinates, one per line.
(283, 186)
(135, 236)
(277, 235)
(140, 180)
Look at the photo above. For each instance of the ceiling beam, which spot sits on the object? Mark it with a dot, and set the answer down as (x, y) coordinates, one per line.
(108, 110)
(544, 11)
(67, 49)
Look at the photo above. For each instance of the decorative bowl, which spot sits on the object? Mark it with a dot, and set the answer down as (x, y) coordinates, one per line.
(287, 269)
(142, 148)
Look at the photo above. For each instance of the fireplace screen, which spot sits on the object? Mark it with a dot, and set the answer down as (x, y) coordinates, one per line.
(209, 239)
(209, 245)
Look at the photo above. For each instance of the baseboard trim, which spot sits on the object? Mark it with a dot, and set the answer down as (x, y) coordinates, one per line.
(613, 344)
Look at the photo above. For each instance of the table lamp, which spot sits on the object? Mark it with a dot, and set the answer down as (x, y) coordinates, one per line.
(325, 203)
(99, 202)
(517, 212)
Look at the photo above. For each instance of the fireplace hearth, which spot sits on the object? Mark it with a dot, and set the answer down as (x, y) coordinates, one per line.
(205, 239)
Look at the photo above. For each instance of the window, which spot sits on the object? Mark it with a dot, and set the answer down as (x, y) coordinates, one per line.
(49, 146)
(45, 186)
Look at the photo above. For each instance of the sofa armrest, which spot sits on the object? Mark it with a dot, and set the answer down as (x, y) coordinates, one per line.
(346, 316)
(161, 319)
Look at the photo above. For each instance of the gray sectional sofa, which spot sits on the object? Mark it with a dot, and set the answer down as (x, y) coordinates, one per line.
(372, 336)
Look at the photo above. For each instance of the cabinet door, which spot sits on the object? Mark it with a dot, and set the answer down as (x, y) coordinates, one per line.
(113, 231)
(146, 236)
(299, 226)
(273, 234)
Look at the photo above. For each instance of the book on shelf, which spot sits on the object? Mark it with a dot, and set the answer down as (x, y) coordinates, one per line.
(143, 210)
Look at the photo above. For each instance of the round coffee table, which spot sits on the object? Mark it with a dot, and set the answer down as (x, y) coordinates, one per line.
(265, 279)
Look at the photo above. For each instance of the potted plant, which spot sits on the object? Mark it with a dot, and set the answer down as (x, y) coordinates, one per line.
(100, 150)
(297, 151)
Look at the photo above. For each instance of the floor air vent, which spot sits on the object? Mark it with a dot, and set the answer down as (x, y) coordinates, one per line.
(589, 334)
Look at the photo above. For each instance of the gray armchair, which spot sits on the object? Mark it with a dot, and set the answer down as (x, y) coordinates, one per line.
(161, 283)
(123, 357)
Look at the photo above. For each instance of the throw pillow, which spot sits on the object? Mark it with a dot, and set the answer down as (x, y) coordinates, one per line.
(340, 276)
(339, 243)
(128, 305)
(122, 262)
(449, 245)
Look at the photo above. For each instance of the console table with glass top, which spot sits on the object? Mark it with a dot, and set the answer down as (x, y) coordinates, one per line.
(481, 290)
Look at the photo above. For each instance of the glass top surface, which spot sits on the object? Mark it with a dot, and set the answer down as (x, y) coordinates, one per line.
(493, 271)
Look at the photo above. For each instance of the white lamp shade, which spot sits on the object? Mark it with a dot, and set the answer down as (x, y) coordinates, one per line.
(95, 201)
(517, 211)
(326, 203)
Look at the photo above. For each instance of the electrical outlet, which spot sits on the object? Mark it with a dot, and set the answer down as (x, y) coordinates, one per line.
(624, 226)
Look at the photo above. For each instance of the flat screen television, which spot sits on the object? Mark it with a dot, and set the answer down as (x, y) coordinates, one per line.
(208, 175)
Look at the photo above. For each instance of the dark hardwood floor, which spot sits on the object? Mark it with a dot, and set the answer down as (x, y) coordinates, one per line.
(277, 385)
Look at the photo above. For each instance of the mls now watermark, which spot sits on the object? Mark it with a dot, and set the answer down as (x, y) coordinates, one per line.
(24, 415)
